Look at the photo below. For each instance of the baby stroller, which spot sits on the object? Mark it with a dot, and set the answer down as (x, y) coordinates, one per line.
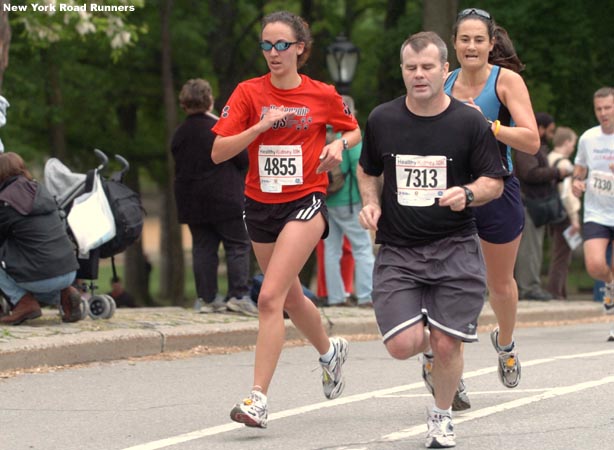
(67, 186)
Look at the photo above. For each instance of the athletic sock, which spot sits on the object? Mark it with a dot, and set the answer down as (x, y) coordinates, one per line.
(507, 348)
(328, 356)
(444, 412)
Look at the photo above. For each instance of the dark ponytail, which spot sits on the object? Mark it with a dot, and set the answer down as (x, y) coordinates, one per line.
(503, 53)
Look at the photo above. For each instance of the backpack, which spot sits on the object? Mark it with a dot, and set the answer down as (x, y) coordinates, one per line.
(128, 214)
(336, 180)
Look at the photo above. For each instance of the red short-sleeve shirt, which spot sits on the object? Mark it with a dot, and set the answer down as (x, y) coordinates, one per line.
(314, 104)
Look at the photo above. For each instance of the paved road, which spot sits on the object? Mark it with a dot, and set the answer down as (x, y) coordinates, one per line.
(563, 402)
(152, 331)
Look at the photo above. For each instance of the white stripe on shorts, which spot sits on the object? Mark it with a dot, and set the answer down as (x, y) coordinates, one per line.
(452, 331)
(307, 214)
(402, 326)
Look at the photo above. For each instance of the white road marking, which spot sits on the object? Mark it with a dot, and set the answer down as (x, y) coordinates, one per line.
(550, 393)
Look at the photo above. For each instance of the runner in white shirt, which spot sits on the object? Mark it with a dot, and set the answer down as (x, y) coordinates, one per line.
(594, 176)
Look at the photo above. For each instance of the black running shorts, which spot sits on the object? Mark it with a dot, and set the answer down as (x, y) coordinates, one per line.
(264, 221)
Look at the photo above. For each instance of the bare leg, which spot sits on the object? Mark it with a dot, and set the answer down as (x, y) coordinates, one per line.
(595, 260)
(409, 342)
(447, 367)
(281, 262)
(502, 288)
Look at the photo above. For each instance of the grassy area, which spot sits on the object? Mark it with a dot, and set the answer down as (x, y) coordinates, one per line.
(578, 280)
(105, 273)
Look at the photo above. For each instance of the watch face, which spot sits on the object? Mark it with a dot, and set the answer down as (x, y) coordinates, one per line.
(468, 194)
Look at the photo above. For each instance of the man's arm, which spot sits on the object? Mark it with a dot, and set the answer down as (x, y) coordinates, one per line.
(578, 184)
(484, 190)
(370, 191)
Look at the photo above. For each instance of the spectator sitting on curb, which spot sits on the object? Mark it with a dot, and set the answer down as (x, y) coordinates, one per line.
(38, 261)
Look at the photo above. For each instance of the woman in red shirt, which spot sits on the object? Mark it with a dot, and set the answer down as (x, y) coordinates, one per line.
(281, 118)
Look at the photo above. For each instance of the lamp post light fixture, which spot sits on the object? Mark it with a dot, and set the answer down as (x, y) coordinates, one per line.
(341, 60)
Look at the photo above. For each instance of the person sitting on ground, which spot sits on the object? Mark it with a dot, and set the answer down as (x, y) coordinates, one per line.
(38, 261)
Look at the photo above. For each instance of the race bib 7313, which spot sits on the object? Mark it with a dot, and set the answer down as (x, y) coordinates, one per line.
(420, 179)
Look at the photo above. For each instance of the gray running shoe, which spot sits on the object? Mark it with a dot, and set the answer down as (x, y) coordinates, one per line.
(332, 375)
(244, 305)
(608, 298)
(440, 432)
(252, 411)
(461, 400)
(509, 364)
(216, 306)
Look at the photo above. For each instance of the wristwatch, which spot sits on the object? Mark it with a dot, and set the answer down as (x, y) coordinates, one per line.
(468, 196)
(345, 144)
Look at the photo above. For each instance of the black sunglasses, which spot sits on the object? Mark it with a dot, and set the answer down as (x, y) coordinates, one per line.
(279, 46)
(474, 12)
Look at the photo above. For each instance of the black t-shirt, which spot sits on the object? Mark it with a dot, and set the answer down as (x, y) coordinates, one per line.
(460, 134)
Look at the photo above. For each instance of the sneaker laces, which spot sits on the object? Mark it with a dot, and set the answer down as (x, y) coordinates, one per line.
(255, 402)
(437, 422)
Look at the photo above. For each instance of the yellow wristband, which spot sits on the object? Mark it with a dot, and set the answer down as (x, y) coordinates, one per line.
(497, 126)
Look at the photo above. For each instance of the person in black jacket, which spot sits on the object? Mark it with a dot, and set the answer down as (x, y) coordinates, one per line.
(210, 201)
(538, 180)
(37, 259)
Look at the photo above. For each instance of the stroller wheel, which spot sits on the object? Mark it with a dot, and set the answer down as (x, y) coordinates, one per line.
(84, 308)
(99, 307)
(113, 305)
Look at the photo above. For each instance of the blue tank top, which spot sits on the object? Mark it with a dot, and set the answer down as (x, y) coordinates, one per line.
(492, 107)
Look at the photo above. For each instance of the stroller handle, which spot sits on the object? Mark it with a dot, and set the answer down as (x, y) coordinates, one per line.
(123, 162)
(104, 160)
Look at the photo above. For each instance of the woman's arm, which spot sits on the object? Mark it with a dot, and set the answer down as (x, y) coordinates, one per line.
(514, 94)
(332, 155)
(225, 147)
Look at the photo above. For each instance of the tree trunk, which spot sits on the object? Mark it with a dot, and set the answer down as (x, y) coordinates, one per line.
(55, 104)
(387, 84)
(172, 270)
(439, 16)
(5, 41)
(136, 265)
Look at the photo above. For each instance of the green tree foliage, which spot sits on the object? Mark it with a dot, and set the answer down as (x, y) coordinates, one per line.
(565, 45)
(83, 87)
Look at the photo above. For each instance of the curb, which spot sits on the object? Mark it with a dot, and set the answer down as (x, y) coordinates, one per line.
(108, 345)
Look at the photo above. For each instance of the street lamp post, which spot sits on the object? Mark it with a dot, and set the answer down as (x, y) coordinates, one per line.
(341, 60)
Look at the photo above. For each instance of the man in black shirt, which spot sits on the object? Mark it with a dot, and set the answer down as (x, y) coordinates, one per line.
(426, 157)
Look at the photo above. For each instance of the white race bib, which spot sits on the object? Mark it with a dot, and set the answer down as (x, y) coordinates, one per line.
(602, 183)
(279, 165)
(420, 179)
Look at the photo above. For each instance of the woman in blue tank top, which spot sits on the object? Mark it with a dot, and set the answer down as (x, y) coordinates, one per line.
(488, 80)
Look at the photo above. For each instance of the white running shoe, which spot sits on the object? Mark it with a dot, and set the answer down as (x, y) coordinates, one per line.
(244, 305)
(608, 298)
(461, 400)
(440, 432)
(216, 306)
(332, 375)
(252, 411)
(509, 365)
